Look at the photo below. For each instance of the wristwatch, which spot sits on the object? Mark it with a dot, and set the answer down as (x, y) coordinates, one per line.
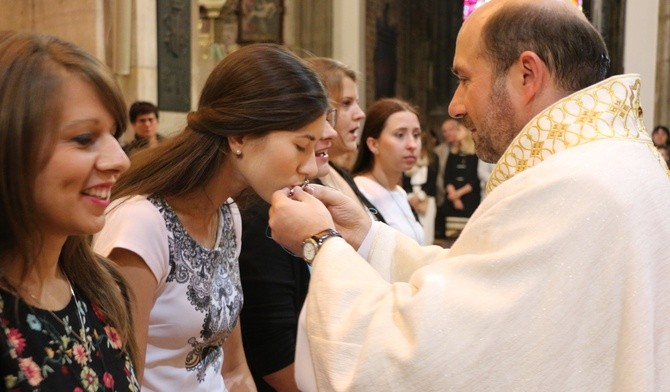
(311, 245)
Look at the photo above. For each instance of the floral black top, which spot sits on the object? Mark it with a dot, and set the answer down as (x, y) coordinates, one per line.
(39, 352)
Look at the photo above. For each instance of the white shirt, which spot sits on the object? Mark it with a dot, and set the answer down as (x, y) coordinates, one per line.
(393, 205)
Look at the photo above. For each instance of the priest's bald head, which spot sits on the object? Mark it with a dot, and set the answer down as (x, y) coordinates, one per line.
(516, 57)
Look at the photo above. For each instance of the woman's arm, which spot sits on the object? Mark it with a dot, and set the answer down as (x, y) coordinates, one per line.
(142, 284)
(235, 371)
(283, 380)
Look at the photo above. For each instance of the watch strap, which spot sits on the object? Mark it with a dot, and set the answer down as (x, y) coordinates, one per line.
(319, 238)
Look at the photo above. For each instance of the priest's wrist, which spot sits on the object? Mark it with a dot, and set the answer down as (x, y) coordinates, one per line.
(312, 244)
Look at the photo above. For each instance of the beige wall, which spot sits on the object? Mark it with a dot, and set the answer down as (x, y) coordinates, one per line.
(78, 21)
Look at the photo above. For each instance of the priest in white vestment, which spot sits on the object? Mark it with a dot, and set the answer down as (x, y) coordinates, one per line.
(560, 281)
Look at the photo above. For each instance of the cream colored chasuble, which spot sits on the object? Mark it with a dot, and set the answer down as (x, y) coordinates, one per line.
(560, 281)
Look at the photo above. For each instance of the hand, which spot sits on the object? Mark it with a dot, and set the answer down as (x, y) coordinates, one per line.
(458, 204)
(451, 192)
(419, 205)
(296, 217)
(352, 221)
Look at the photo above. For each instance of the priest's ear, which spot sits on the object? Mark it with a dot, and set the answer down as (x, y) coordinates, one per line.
(529, 77)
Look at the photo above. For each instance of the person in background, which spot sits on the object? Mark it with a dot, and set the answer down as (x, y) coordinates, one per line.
(558, 281)
(275, 284)
(391, 144)
(175, 232)
(64, 317)
(450, 133)
(144, 120)
(340, 83)
(420, 182)
(275, 281)
(661, 136)
(461, 178)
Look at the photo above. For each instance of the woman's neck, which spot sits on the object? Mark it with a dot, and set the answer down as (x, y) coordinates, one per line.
(198, 210)
(208, 198)
(386, 178)
(45, 284)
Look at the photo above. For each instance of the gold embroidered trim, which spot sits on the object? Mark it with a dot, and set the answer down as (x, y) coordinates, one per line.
(607, 110)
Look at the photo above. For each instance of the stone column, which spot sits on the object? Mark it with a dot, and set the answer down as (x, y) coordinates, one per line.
(349, 38)
(311, 26)
(640, 50)
(662, 99)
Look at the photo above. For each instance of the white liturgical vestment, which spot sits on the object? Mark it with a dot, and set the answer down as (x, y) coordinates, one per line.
(560, 281)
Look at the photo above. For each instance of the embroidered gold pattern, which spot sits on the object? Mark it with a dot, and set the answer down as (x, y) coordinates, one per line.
(607, 110)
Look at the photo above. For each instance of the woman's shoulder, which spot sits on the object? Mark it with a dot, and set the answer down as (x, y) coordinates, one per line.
(366, 182)
(136, 202)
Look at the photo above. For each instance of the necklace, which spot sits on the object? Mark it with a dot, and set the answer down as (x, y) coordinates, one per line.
(412, 222)
(81, 337)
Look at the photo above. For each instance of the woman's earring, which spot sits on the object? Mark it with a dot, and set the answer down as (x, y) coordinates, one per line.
(238, 153)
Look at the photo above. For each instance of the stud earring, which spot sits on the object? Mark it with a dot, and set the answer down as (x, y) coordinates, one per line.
(238, 153)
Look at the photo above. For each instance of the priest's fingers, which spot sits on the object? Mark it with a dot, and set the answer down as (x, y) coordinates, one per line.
(292, 219)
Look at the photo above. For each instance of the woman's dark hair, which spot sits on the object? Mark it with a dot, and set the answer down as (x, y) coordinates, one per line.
(255, 90)
(662, 128)
(375, 121)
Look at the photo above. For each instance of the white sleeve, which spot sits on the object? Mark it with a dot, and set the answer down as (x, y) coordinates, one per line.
(136, 225)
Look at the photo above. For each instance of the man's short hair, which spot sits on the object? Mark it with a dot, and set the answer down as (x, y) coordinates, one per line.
(573, 50)
(141, 107)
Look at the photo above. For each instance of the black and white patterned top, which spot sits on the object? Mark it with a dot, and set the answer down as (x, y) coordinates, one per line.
(198, 297)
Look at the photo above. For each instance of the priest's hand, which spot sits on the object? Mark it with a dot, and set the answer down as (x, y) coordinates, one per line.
(300, 214)
(296, 215)
(352, 221)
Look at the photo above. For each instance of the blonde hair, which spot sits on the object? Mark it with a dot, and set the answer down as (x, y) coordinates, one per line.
(332, 73)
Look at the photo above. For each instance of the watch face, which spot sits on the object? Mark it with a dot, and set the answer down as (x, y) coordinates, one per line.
(308, 250)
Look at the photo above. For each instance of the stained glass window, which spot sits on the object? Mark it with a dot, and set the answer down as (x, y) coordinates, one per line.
(470, 5)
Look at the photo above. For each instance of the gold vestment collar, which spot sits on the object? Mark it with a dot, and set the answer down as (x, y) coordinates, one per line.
(607, 110)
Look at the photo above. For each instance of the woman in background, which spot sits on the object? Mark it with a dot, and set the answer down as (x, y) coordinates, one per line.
(661, 136)
(420, 184)
(64, 323)
(175, 232)
(390, 145)
(340, 83)
(461, 178)
(275, 284)
(274, 281)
